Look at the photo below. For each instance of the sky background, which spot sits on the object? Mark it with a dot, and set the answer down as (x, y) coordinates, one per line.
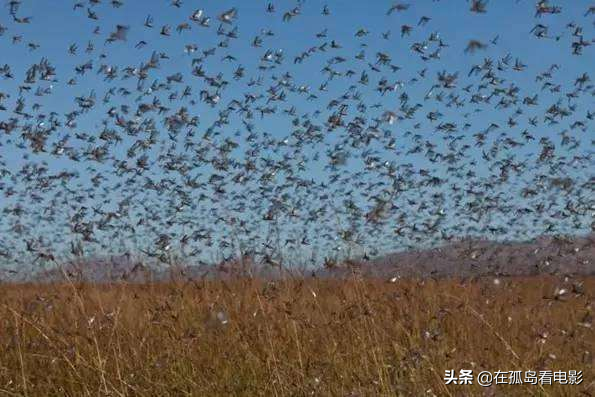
(55, 26)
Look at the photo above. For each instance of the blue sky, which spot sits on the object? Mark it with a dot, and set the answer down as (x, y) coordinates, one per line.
(55, 26)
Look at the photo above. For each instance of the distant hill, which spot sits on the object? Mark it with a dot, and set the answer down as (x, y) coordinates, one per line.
(116, 268)
(124, 269)
(544, 255)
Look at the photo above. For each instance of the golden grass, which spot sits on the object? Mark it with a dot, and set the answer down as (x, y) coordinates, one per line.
(355, 337)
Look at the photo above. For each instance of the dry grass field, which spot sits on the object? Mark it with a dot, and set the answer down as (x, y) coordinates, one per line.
(321, 337)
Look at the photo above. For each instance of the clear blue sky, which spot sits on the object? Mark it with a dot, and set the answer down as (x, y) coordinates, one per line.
(55, 26)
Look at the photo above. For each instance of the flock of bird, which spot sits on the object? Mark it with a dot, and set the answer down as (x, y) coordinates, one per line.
(205, 138)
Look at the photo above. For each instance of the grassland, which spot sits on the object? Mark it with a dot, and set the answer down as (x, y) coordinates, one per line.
(295, 337)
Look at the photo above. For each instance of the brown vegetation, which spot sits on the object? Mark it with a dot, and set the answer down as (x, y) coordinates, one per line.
(353, 337)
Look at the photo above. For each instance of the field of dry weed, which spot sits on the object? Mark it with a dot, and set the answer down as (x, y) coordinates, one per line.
(327, 337)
